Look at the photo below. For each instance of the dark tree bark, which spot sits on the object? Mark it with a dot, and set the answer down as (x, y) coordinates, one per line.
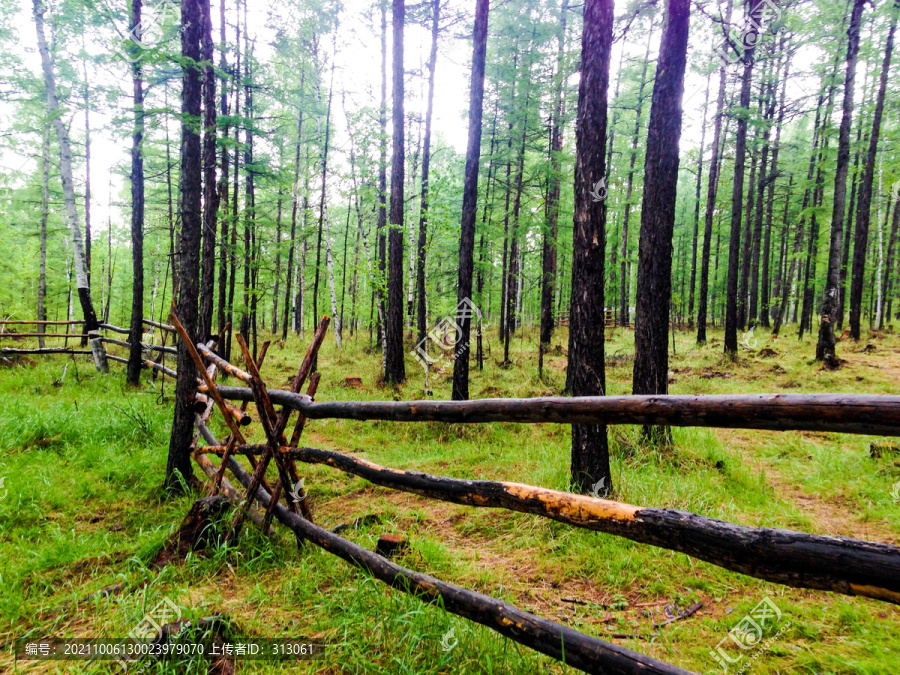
(851, 210)
(711, 200)
(45, 213)
(294, 203)
(133, 373)
(654, 279)
(587, 372)
(771, 101)
(551, 231)
(179, 472)
(322, 207)
(623, 277)
(765, 295)
(470, 199)
(379, 289)
(222, 195)
(831, 306)
(394, 366)
(421, 310)
(734, 243)
(697, 207)
(865, 189)
(210, 193)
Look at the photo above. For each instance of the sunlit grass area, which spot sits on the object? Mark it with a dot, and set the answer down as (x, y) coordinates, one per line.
(81, 509)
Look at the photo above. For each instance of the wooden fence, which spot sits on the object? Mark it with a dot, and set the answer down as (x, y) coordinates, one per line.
(797, 559)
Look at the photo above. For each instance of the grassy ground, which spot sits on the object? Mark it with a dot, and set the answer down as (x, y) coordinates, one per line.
(81, 509)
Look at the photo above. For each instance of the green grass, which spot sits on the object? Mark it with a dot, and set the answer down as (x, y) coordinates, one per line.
(82, 509)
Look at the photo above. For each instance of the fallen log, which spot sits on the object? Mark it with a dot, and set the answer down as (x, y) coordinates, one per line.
(846, 413)
(40, 323)
(46, 350)
(115, 329)
(587, 653)
(838, 564)
(144, 346)
(11, 335)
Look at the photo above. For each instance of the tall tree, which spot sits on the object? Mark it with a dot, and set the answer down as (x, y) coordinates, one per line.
(740, 157)
(45, 213)
(210, 193)
(470, 199)
(179, 472)
(91, 325)
(654, 281)
(831, 306)
(864, 204)
(137, 205)
(421, 311)
(394, 366)
(590, 448)
(711, 191)
(551, 231)
(697, 206)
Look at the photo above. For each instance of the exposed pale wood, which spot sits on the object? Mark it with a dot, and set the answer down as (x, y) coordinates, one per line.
(581, 651)
(797, 559)
(844, 413)
(212, 357)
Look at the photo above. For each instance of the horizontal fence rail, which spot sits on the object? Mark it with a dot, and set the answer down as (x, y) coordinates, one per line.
(846, 413)
(797, 559)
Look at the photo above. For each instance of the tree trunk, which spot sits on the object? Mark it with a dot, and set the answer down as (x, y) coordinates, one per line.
(381, 226)
(830, 308)
(82, 279)
(765, 294)
(210, 193)
(587, 371)
(865, 189)
(711, 190)
(223, 196)
(289, 285)
(551, 231)
(697, 207)
(179, 472)
(133, 374)
(470, 199)
(45, 212)
(336, 319)
(329, 262)
(623, 279)
(394, 367)
(763, 181)
(734, 244)
(654, 279)
(421, 313)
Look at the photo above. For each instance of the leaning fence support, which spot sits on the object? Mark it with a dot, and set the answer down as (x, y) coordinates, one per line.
(587, 653)
(797, 559)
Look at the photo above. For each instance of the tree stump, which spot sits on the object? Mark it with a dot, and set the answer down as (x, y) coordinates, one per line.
(391, 545)
(199, 529)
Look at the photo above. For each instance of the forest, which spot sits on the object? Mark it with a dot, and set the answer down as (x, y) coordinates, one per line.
(552, 259)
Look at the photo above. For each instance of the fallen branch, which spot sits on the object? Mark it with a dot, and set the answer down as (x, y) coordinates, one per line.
(797, 559)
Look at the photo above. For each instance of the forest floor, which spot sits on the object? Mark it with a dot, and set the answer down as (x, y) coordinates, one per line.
(81, 508)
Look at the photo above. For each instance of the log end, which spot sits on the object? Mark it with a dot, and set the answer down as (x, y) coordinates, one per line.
(390, 545)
